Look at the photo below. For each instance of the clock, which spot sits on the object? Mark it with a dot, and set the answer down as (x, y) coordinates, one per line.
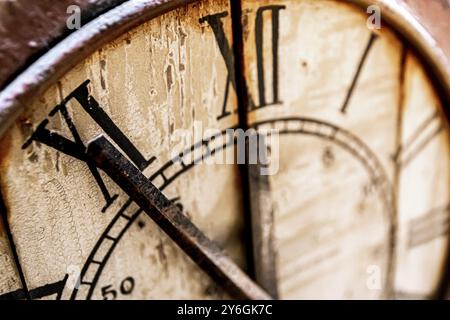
(229, 149)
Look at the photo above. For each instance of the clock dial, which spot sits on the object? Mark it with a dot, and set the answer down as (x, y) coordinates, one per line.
(354, 202)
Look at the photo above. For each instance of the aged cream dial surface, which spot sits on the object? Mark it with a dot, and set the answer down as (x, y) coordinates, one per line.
(357, 197)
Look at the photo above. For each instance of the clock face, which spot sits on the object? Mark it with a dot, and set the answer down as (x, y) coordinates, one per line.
(354, 202)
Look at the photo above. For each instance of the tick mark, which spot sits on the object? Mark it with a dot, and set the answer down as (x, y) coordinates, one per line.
(372, 39)
(429, 129)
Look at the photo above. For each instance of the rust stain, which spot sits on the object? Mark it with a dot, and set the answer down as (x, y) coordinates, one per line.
(2, 229)
(169, 78)
(193, 11)
(5, 148)
(162, 256)
(102, 70)
(328, 157)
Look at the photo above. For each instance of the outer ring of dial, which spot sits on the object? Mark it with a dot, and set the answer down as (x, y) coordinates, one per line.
(39, 76)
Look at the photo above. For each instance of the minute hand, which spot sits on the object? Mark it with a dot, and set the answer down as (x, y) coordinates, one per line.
(202, 250)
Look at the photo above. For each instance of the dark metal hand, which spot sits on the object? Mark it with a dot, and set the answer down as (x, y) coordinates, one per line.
(262, 223)
(203, 251)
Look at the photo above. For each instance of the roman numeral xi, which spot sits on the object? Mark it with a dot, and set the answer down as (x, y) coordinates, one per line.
(215, 21)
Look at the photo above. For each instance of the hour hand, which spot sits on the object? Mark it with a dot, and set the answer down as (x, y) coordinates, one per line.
(202, 250)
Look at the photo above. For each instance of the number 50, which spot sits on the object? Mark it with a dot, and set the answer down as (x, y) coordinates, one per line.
(126, 288)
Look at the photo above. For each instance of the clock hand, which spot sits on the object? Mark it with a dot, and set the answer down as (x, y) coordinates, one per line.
(262, 223)
(37, 293)
(202, 250)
